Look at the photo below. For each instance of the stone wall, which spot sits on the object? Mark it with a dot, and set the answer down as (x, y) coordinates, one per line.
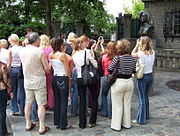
(158, 11)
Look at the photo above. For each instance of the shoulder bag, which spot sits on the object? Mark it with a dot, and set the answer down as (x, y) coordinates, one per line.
(113, 76)
(139, 69)
(89, 73)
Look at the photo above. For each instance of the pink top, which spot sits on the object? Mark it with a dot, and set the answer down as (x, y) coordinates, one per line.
(47, 51)
(105, 64)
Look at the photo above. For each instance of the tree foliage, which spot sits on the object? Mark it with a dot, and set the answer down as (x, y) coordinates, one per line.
(137, 6)
(90, 13)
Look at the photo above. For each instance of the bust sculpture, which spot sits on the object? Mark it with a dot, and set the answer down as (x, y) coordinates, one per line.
(146, 24)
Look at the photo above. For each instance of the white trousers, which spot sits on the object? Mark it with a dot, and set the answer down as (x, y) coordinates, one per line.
(121, 93)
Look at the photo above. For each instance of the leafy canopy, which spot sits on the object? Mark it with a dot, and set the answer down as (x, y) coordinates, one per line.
(137, 6)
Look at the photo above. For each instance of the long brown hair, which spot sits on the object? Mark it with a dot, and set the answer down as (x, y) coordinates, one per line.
(56, 44)
(111, 50)
(146, 44)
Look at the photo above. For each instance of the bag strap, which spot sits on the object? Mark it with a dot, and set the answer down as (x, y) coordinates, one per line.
(118, 61)
(117, 64)
(85, 57)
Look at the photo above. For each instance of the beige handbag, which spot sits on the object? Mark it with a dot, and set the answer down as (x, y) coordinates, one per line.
(139, 69)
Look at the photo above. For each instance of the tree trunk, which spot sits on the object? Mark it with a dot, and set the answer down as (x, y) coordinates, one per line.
(27, 15)
(48, 17)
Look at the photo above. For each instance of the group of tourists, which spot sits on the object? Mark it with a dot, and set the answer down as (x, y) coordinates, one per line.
(43, 73)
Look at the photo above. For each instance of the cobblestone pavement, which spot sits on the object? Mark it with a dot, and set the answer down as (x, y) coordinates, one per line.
(164, 116)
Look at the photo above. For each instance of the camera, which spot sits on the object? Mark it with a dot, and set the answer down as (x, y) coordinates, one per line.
(100, 38)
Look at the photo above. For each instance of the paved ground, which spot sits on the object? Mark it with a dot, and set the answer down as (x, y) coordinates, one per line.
(164, 113)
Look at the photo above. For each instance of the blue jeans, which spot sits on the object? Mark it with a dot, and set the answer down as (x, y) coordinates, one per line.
(61, 92)
(74, 99)
(143, 87)
(34, 114)
(3, 104)
(21, 96)
(15, 84)
(106, 108)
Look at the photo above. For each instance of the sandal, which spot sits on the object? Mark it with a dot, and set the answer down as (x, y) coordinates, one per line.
(31, 128)
(45, 130)
(67, 127)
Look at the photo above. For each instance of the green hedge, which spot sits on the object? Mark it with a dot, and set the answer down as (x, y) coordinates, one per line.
(7, 30)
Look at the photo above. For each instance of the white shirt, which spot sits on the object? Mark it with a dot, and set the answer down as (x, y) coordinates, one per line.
(148, 61)
(34, 74)
(4, 55)
(58, 67)
(113, 37)
(78, 59)
(16, 61)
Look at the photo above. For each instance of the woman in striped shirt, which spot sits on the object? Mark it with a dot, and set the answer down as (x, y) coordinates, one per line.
(122, 88)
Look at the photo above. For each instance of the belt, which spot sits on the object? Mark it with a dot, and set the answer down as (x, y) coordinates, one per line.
(60, 75)
(15, 66)
(147, 73)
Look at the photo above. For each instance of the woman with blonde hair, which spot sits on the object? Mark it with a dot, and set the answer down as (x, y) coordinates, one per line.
(144, 51)
(69, 43)
(5, 54)
(15, 75)
(47, 49)
(109, 53)
(76, 45)
(122, 88)
(78, 58)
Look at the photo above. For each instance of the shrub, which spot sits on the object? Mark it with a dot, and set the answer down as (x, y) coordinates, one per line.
(7, 30)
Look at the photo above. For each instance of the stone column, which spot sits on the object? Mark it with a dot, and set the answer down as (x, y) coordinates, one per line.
(119, 26)
(79, 29)
(127, 26)
(56, 28)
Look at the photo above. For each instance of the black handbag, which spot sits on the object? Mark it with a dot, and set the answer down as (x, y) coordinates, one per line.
(113, 76)
(100, 68)
(89, 73)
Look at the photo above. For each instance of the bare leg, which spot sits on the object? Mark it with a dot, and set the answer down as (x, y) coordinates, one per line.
(41, 115)
(27, 114)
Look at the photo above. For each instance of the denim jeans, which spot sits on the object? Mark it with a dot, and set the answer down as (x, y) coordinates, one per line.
(3, 104)
(34, 114)
(21, 96)
(74, 98)
(61, 92)
(143, 87)
(106, 108)
(83, 103)
(15, 84)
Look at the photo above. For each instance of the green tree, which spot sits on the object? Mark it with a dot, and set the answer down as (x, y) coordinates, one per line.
(90, 13)
(137, 6)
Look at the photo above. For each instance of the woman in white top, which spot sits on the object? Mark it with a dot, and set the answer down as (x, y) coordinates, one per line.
(61, 77)
(4, 53)
(15, 76)
(78, 58)
(145, 52)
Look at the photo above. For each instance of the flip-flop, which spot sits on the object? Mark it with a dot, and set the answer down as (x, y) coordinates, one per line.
(31, 128)
(67, 127)
(45, 130)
